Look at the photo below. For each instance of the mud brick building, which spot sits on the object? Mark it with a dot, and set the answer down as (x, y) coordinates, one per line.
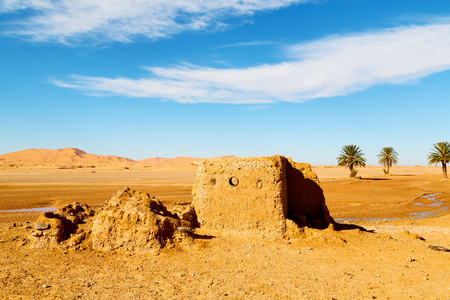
(256, 196)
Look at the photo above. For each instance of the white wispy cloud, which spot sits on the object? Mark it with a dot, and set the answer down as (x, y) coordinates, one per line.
(246, 44)
(70, 21)
(332, 66)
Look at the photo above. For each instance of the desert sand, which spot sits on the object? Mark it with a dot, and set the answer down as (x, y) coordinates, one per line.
(72, 157)
(383, 253)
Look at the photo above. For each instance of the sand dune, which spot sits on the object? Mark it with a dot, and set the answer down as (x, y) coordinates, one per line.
(65, 155)
(153, 160)
(162, 160)
(75, 155)
(188, 160)
(181, 160)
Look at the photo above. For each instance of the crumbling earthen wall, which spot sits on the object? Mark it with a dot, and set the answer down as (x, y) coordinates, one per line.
(246, 195)
(306, 201)
(255, 196)
(67, 227)
(132, 221)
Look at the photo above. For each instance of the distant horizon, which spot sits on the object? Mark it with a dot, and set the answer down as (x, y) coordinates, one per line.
(198, 157)
(300, 78)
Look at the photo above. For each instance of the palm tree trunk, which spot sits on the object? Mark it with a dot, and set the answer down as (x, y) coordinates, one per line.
(444, 169)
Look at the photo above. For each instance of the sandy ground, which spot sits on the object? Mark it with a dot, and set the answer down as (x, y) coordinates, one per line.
(386, 255)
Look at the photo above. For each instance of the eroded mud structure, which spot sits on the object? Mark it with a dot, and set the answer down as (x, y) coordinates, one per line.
(258, 196)
(266, 197)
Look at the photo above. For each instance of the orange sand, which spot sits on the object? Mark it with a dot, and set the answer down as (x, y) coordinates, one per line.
(393, 261)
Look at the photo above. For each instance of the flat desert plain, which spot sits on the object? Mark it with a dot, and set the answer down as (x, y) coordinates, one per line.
(383, 253)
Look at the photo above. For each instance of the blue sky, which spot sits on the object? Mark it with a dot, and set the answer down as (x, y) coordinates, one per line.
(202, 78)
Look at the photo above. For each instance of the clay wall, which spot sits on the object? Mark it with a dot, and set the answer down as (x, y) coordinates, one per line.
(246, 196)
(255, 196)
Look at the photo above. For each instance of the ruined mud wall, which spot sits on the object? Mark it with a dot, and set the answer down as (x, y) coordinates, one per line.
(246, 196)
(255, 196)
(131, 221)
(306, 201)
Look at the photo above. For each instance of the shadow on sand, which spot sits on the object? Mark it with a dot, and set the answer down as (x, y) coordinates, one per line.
(341, 227)
(375, 178)
(202, 237)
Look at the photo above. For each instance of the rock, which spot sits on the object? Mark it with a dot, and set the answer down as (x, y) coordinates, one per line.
(51, 235)
(76, 239)
(41, 226)
(52, 228)
(76, 212)
(186, 212)
(186, 230)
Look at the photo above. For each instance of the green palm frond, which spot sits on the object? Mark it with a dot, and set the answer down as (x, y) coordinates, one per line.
(440, 153)
(351, 156)
(387, 157)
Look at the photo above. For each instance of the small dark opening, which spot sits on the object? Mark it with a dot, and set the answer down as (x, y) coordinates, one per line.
(233, 181)
(213, 181)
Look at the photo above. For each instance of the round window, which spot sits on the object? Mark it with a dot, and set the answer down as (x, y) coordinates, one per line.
(233, 181)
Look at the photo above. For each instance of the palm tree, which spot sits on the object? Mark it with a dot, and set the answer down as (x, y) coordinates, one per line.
(387, 157)
(440, 154)
(351, 157)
